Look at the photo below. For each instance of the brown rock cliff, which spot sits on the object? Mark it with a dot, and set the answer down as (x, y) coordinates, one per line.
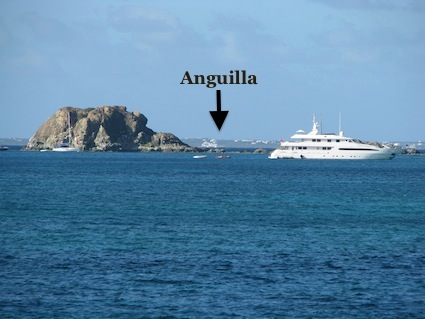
(106, 128)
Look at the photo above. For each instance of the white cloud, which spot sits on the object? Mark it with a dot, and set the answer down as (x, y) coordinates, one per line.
(30, 59)
(409, 5)
(148, 19)
(153, 24)
(242, 40)
(362, 4)
(47, 31)
(156, 33)
(360, 56)
(228, 51)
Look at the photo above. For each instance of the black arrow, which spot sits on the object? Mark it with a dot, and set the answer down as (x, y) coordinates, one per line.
(219, 116)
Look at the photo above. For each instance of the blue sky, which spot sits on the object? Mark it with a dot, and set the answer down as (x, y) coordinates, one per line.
(363, 58)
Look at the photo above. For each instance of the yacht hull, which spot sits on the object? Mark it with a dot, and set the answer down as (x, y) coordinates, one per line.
(379, 154)
(65, 149)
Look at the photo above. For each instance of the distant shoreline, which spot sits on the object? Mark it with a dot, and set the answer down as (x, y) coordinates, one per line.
(213, 145)
(13, 141)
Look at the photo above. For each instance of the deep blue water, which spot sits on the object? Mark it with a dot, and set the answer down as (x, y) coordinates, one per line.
(129, 235)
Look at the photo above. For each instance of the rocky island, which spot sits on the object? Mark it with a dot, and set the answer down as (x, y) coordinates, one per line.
(106, 128)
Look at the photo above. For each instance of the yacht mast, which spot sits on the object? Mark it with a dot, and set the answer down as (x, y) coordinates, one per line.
(69, 128)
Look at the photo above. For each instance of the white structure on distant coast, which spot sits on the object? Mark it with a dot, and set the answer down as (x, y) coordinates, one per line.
(329, 146)
(212, 143)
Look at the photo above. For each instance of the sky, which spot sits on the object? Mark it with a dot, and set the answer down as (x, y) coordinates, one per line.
(364, 59)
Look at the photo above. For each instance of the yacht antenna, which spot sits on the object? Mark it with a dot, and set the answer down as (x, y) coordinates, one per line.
(340, 130)
(321, 124)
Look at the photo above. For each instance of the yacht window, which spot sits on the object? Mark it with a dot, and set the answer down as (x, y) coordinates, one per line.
(304, 148)
(300, 148)
(319, 140)
(337, 141)
(314, 140)
(324, 148)
(329, 141)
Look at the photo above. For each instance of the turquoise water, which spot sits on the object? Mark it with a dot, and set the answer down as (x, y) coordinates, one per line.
(129, 235)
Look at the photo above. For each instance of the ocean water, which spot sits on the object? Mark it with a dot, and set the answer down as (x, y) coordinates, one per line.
(129, 235)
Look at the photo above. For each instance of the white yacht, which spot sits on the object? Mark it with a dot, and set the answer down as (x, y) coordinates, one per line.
(67, 146)
(315, 145)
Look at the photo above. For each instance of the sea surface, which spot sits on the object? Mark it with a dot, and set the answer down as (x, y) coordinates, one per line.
(157, 235)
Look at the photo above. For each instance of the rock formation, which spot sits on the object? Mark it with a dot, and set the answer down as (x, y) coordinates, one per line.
(106, 128)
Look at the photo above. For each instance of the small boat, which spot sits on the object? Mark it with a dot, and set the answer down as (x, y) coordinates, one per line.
(199, 156)
(222, 156)
(67, 146)
(3, 148)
